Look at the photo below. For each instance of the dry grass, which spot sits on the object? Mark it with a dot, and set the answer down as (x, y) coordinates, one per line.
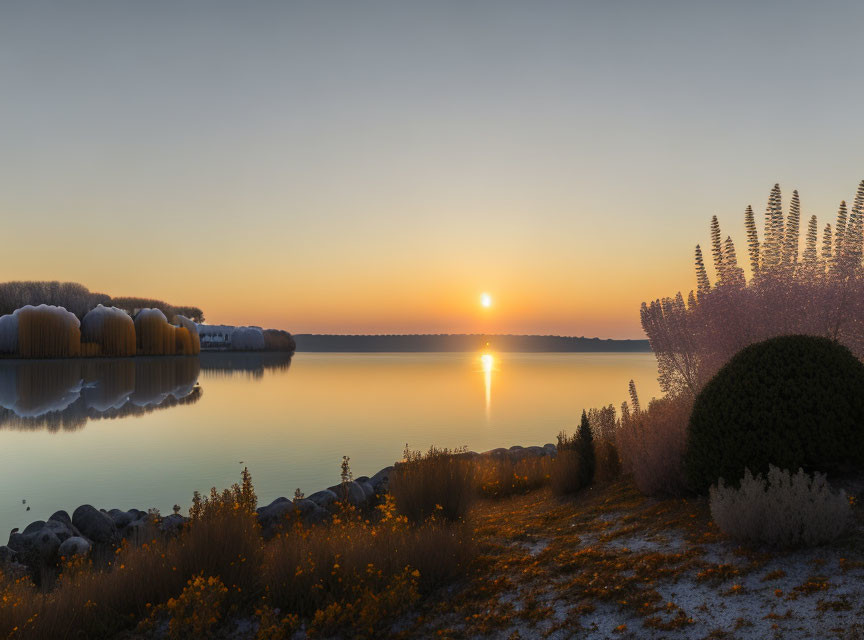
(608, 462)
(359, 572)
(438, 483)
(652, 444)
(781, 509)
(566, 476)
(501, 476)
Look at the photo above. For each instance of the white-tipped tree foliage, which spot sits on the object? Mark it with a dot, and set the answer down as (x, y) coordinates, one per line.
(809, 292)
(752, 239)
(702, 282)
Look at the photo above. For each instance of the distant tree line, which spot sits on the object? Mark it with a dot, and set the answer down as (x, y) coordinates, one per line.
(78, 299)
(464, 342)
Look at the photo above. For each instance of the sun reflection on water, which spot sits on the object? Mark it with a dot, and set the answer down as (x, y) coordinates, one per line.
(488, 362)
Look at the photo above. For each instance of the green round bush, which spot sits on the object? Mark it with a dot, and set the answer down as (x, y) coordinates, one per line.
(792, 401)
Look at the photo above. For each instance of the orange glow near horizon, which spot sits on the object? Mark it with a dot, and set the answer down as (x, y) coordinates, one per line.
(337, 169)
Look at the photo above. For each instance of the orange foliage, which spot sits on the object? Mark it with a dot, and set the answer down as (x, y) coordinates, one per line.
(114, 335)
(183, 341)
(90, 349)
(154, 336)
(188, 325)
(44, 334)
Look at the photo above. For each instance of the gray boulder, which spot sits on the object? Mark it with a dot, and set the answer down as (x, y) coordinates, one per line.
(317, 516)
(500, 452)
(551, 449)
(74, 546)
(274, 513)
(173, 523)
(19, 542)
(324, 498)
(368, 489)
(61, 516)
(381, 480)
(260, 510)
(95, 525)
(7, 556)
(305, 506)
(122, 518)
(61, 529)
(33, 527)
(138, 531)
(44, 545)
(351, 491)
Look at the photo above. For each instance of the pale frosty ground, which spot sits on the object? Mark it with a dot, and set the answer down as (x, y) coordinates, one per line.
(750, 610)
(742, 615)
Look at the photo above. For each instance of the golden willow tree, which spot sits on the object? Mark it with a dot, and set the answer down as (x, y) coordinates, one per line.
(814, 292)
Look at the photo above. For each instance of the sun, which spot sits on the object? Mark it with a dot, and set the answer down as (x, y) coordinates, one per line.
(486, 300)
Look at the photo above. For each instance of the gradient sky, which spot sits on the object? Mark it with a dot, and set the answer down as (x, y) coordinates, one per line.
(373, 167)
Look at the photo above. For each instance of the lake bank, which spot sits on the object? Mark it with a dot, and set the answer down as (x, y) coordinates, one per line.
(607, 562)
(289, 420)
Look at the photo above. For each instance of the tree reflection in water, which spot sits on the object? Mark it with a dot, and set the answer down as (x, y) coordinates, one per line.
(66, 394)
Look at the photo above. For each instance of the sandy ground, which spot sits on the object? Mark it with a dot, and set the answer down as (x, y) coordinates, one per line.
(614, 564)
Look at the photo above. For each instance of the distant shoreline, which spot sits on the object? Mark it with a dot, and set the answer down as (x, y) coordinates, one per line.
(308, 342)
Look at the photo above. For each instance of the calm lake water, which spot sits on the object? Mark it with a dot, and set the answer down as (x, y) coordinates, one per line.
(148, 432)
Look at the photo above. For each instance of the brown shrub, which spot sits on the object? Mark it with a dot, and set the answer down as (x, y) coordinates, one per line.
(500, 476)
(566, 478)
(351, 576)
(440, 482)
(370, 572)
(652, 444)
(608, 462)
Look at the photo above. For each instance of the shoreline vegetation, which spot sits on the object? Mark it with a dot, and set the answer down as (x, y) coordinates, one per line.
(514, 543)
(66, 320)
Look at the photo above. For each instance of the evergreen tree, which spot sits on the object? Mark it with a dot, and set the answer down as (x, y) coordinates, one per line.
(752, 240)
(717, 249)
(703, 284)
(585, 448)
(733, 273)
(790, 249)
(634, 397)
(839, 236)
(826, 247)
(810, 253)
(854, 235)
(773, 230)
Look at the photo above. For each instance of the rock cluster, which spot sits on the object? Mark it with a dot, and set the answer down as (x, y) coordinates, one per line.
(44, 543)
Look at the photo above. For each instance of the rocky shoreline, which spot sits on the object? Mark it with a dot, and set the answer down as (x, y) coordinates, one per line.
(43, 543)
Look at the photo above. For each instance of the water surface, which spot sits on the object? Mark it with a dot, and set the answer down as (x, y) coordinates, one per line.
(146, 432)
